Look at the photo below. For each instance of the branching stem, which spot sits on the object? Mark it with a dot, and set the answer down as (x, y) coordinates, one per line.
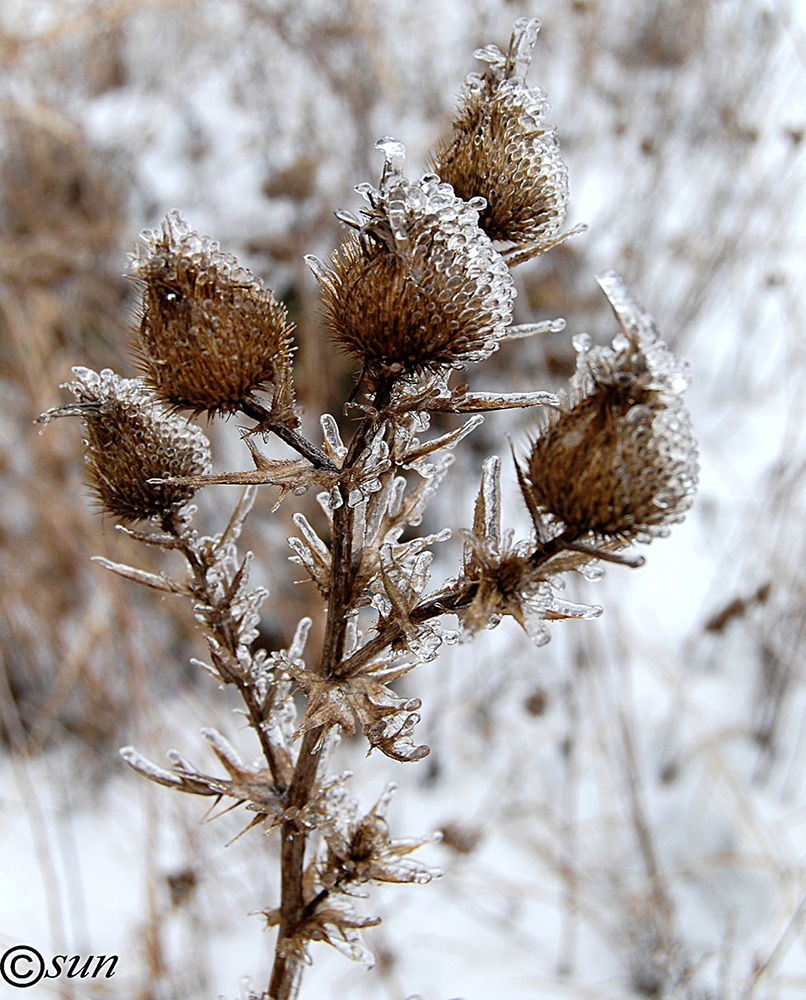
(293, 910)
(226, 636)
(290, 435)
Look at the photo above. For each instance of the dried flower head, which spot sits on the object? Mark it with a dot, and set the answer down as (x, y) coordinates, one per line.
(210, 335)
(617, 460)
(361, 849)
(131, 440)
(501, 149)
(504, 577)
(418, 284)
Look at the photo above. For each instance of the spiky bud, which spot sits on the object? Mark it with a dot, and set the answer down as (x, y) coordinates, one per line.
(210, 335)
(501, 149)
(418, 284)
(617, 461)
(132, 439)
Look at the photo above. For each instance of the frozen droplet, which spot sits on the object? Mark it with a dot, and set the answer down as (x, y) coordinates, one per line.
(581, 342)
(395, 153)
(332, 435)
(320, 271)
(524, 36)
(592, 571)
(335, 499)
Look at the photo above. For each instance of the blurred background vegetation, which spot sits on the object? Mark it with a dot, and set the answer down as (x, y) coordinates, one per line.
(624, 811)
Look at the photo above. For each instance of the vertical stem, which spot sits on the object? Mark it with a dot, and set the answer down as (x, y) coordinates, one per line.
(287, 969)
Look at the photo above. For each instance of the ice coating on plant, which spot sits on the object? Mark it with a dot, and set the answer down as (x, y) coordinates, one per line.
(501, 149)
(617, 462)
(211, 336)
(132, 439)
(502, 577)
(417, 290)
(417, 284)
(360, 848)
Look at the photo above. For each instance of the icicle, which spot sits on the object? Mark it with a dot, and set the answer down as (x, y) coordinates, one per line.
(148, 769)
(334, 445)
(297, 647)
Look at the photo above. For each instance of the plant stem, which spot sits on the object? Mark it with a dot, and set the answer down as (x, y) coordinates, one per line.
(288, 961)
(226, 636)
(290, 435)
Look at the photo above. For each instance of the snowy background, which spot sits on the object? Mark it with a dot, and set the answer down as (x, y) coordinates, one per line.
(624, 810)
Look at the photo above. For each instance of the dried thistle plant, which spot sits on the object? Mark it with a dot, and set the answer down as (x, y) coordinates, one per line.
(417, 290)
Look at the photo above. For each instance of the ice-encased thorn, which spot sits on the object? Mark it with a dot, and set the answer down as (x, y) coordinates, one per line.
(367, 191)
(636, 322)
(320, 271)
(524, 36)
(531, 329)
(488, 505)
(147, 768)
(581, 342)
(395, 153)
(297, 647)
(332, 435)
(348, 218)
(382, 805)
(315, 543)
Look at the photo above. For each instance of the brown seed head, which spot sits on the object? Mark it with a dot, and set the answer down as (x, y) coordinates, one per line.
(417, 284)
(210, 336)
(131, 439)
(501, 149)
(617, 461)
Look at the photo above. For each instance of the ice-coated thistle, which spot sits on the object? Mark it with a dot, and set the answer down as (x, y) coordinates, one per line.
(132, 439)
(501, 149)
(417, 284)
(617, 461)
(210, 335)
(417, 289)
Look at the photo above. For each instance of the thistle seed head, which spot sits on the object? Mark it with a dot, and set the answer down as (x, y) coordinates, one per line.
(501, 149)
(210, 335)
(418, 284)
(617, 460)
(132, 439)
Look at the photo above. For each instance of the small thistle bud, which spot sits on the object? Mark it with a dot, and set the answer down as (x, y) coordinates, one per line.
(501, 149)
(132, 439)
(210, 335)
(418, 284)
(617, 461)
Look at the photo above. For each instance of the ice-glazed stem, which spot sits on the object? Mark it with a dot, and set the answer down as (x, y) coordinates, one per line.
(288, 961)
(290, 435)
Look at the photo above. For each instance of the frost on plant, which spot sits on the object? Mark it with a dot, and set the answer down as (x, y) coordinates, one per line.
(419, 288)
(418, 283)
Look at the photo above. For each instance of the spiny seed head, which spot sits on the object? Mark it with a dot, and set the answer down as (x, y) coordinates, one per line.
(210, 335)
(501, 149)
(617, 461)
(131, 439)
(418, 284)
